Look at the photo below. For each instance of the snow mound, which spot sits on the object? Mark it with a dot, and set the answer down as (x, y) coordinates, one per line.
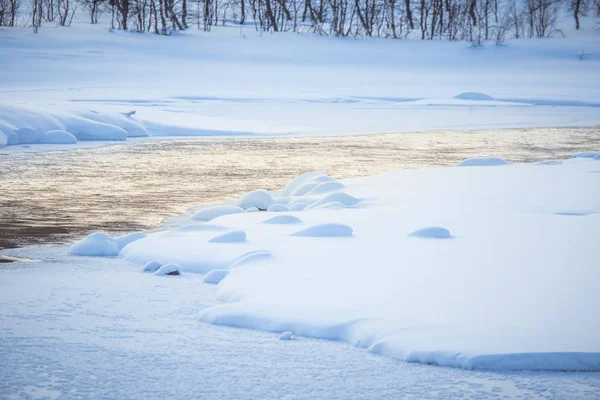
(325, 187)
(332, 205)
(230, 237)
(304, 189)
(28, 136)
(482, 162)
(298, 207)
(343, 198)
(124, 240)
(432, 232)
(168, 269)
(282, 220)
(216, 276)
(151, 266)
(587, 154)
(133, 127)
(287, 335)
(98, 244)
(260, 199)
(210, 213)
(8, 138)
(474, 96)
(57, 137)
(278, 208)
(252, 209)
(202, 227)
(300, 180)
(252, 257)
(326, 230)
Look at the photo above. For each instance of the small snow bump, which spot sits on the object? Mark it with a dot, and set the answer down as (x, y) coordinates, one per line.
(210, 213)
(287, 336)
(278, 208)
(474, 96)
(483, 162)
(282, 220)
(98, 244)
(168, 269)
(260, 199)
(229, 237)
(432, 232)
(326, 230)
(215, 276)
(152, 266)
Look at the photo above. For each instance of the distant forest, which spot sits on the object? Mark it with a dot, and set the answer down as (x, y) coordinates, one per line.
(477, 21)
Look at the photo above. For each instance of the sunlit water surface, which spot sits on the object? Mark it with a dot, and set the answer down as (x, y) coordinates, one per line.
(54, 197)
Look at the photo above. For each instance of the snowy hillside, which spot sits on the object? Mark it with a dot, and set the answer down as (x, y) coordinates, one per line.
(235, 81)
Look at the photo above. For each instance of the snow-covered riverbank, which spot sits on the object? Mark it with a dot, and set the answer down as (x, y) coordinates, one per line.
(506, 280)
(231, 81)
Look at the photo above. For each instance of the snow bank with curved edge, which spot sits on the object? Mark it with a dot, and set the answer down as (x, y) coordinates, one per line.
(252, 257)
(210, 213)
(216, 276)
(340, 197)
(27, 125)
(278, 208)
(432, 232)
(325, 187)
(485, 301)
(474, 96)
(260, 199)
(332, 205)
(97, 244)
(304, 189)
(151, 266)
(124, 240)
(326, 230)
(300, 180)
(57, 137)
(483, 162)
(168, 269)
(229, 237)
(124, 121)
(587, 154)
(282, 220)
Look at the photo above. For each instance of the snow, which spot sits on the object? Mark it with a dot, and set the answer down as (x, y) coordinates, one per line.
(286, 336)
(326, 230)
(587, 154)
(432, 232)
(300, 180)
(229, 237)
(210, 213)
(278, 208)
(215, 276)
(342, 198)
(98, 244)
(282, 220)
(58, 137)
(124, 240)
(482, 162)
(325, 187)
(474, 96)
(168, 269)
(260, 199)
(151, 266)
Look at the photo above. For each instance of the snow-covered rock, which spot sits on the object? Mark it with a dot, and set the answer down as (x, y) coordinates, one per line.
(215, 276)
(210, 213)
(151, 266)
(98, 244)
(482, 162)
(168, 269)
(260, 199)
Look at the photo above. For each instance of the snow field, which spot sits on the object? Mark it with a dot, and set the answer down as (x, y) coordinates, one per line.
(480, 302)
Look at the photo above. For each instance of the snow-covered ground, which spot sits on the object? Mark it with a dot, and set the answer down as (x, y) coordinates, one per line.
(233, 81)
(487, 266)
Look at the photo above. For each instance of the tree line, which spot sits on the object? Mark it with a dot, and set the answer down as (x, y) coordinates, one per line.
(478, 21)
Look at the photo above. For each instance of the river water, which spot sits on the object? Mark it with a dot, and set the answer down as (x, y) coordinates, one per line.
(55, 197)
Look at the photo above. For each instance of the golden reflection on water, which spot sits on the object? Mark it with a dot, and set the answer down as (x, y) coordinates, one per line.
(53, 197)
